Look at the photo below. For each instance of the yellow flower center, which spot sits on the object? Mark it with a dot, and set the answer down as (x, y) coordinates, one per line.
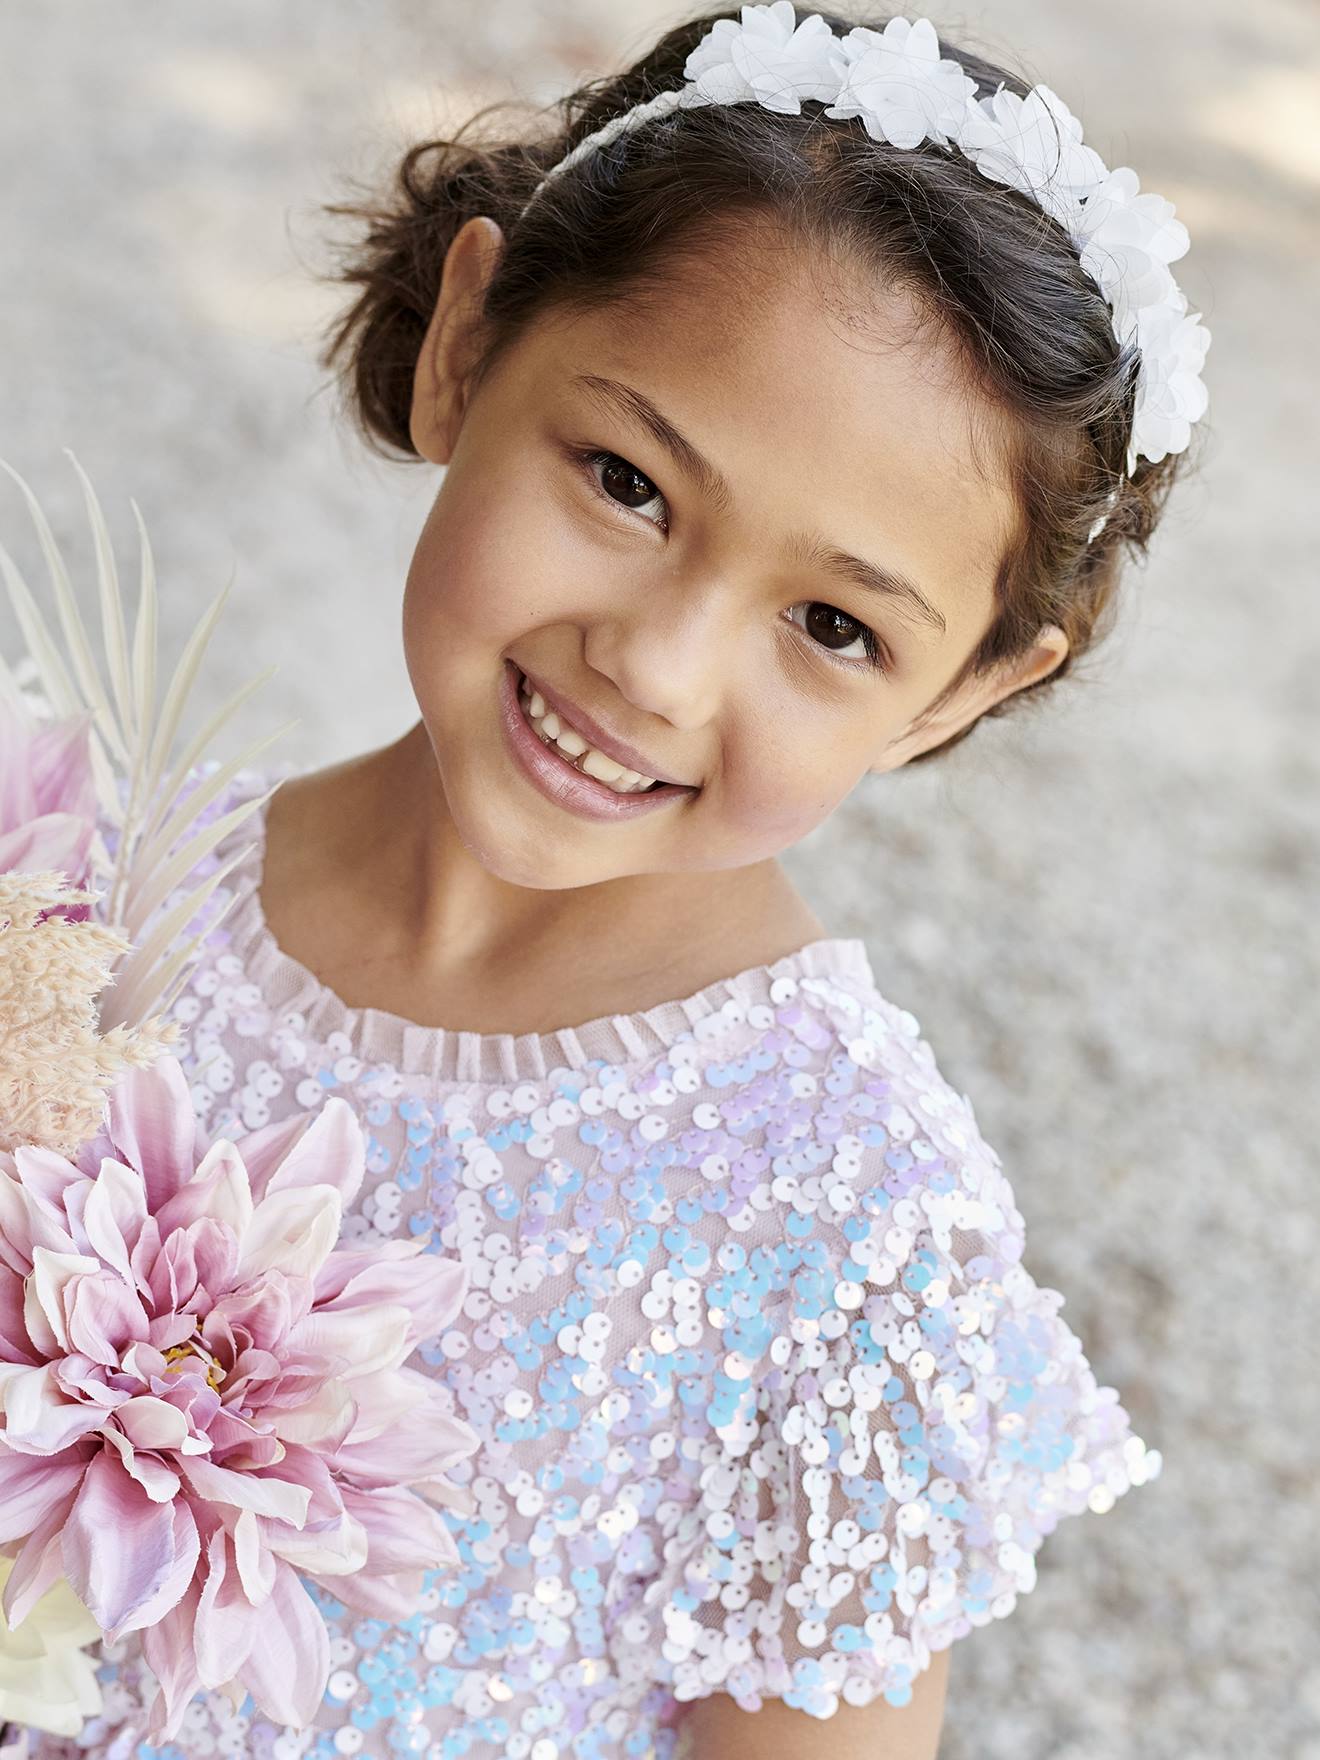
(179, 1354)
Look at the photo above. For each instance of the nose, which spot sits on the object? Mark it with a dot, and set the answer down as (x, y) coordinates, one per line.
(668, 651)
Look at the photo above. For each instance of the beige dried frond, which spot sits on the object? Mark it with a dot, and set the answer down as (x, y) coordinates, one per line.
(55, 1066)
(132, 741)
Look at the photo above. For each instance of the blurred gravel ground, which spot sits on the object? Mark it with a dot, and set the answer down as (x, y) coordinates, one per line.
(1103, 916)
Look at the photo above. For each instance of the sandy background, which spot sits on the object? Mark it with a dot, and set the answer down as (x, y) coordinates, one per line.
(1102, 916)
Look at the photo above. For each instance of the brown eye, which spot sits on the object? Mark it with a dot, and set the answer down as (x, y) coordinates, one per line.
(623, 484)
(830, 626)
(835, 631)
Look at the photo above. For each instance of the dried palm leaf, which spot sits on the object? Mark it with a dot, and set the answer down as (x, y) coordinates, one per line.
(130, 746)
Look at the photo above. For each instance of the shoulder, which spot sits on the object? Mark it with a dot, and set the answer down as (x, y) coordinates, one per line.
(860, 1079)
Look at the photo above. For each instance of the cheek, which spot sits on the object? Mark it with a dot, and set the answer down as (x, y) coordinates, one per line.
(774, 793)
(459, 572)
(491, 563)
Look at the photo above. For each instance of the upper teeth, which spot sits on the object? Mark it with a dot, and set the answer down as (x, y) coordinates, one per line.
(556, 731)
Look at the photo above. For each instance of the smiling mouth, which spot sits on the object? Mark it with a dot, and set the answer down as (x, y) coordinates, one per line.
(567, 743)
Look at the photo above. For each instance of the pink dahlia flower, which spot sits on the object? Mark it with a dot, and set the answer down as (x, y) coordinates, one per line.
(202, 1397)
(47, 795)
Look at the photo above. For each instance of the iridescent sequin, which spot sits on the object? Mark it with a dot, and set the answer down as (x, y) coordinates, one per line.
(769, 1404)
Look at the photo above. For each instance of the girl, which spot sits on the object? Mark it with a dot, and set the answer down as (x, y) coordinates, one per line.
(796, 397)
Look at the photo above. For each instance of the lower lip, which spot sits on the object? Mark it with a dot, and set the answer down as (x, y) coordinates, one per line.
(556, 777)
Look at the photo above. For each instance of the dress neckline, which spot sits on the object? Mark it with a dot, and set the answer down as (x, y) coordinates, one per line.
(454, 1054)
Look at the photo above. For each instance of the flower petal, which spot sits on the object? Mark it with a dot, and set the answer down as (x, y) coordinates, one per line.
(264, 1496)
(292, 1231)
(336, 1548)
(448, 1493)
(118, 1546)
(29, 1218)
(288, 1666)
(264, 1309)
(403, 1533)
(79, 1374)
(151, 1423)
(105, 1316)
(114, 1213)
(405, 1431)
(358, 1341)
(37, 1565)
(431, 1285)
(168, 1649)
(52, 840)
(59, 767)
(176, 1585)
(56, 1692)
(39, 1419)
(391, 1598)
(256, 1564)
(321, 1422)
(30, 1486)
(46, 1175)
(263, 1150)
(161, 1483)
(214, 1248)
(226, 1621)
(150, 1122)
(330, 1150)
(52, 1273)
(15, 1345)
(218, 1189)
(330, 1541)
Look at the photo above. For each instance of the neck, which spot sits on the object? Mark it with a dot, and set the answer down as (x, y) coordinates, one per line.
(436, 909)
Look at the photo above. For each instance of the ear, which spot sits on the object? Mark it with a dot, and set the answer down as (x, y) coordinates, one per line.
(977, 695)
(439, 378)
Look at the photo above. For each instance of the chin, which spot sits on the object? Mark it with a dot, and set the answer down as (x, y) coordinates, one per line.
(523, 859)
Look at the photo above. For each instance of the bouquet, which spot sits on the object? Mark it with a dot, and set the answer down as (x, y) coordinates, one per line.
(204, 1397)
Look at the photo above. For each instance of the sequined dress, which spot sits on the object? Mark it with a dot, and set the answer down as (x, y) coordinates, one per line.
(769, 1404)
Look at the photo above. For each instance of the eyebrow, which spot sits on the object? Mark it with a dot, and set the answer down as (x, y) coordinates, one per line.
(633, 405)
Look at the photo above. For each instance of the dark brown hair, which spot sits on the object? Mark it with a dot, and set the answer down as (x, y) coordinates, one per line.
(986, 263)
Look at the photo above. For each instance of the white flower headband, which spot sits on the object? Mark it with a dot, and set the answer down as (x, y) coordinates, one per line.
(905, 94)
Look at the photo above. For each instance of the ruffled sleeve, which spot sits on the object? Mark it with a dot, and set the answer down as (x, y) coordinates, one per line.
(911, 1421)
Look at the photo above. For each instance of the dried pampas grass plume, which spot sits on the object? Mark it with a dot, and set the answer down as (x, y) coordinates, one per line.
(55, 1065)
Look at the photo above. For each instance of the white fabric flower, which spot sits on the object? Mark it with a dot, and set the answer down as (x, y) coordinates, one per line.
(896, 82)
(47, 1680)
(1127, 240)
(764, 58)
(1033, 144)
(1171, 394)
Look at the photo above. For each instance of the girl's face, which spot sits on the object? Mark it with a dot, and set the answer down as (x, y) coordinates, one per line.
(648, 511)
